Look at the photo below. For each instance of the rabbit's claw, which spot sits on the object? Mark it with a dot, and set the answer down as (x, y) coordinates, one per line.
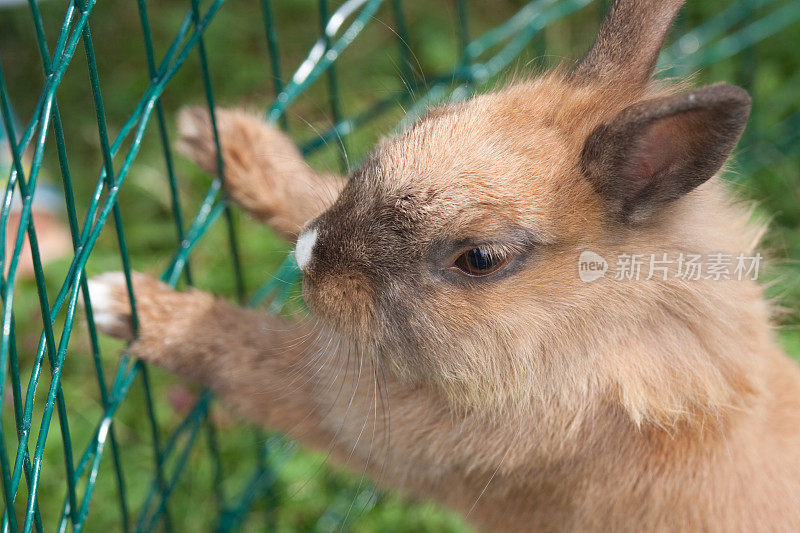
(111, 308)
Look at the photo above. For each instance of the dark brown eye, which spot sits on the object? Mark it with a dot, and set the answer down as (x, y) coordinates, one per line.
(479, 262)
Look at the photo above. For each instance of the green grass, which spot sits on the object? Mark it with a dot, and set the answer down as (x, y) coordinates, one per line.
(306, 486)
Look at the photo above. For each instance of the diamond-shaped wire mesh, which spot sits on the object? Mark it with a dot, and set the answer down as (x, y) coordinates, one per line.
(39, 409)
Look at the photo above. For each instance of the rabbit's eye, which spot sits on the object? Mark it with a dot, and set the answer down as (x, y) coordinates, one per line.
(479, 262)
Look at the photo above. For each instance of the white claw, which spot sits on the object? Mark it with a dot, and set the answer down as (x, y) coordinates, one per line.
(110, 307)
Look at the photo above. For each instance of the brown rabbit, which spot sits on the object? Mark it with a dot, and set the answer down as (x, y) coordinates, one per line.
(443, 281)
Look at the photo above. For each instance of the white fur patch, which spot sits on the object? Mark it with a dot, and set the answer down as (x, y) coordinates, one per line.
(103, 291)
(304, 247)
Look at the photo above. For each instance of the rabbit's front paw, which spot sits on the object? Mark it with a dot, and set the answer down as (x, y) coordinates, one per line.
(259, 160)
(167, 320)
(247, 142)
(156, 305)
(196, 138)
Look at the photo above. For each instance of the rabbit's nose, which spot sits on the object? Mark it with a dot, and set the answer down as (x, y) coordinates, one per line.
(305, 247)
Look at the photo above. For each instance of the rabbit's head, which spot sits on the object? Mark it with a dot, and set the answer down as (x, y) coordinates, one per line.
(452, 252)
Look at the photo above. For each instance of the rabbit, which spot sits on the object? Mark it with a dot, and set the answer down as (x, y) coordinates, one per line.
(452, 351)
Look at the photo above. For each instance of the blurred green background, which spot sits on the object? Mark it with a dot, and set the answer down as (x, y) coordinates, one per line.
(307, 494)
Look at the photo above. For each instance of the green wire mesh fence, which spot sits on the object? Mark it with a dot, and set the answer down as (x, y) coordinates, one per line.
(34, 401)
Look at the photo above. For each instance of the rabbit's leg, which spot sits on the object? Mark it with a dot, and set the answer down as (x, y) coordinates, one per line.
(253, 361)
(263, 170)
(294, 378)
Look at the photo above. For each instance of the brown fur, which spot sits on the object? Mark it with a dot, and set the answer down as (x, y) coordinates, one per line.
(528, 401)
(264, 171)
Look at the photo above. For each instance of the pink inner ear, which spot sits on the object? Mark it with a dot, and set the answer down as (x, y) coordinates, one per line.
(662, 145)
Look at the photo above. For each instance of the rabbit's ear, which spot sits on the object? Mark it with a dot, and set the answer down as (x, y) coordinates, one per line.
(657, 150)
(628, 43)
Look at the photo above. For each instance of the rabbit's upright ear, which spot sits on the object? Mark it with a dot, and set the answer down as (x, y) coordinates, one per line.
(628, 43)
(657, 150)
